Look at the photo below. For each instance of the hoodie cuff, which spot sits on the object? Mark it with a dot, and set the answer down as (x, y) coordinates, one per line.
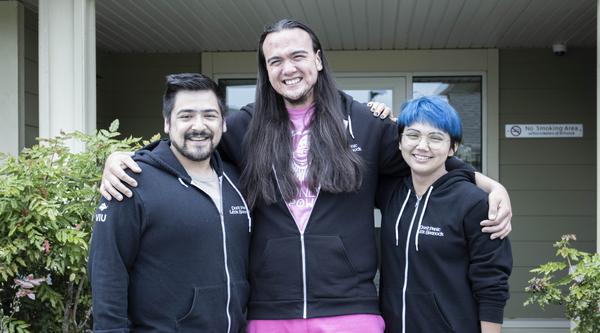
(491, 312)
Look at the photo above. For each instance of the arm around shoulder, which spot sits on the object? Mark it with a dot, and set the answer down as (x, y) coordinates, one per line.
(237, 123)
(499, 216)
(391, 162)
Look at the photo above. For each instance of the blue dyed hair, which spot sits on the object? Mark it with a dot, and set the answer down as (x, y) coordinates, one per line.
(434, 111)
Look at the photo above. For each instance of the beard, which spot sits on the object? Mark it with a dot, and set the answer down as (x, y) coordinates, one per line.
(299, 98)
(297, 101)
(195, 154)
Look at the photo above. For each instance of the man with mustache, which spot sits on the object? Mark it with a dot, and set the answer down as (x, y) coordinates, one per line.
(174, 257)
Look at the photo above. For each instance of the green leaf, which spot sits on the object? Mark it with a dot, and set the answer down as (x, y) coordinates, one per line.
(114, 126)
(105, 133)
(21, 261)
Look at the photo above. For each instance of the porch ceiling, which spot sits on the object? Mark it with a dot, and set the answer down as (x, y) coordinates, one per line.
(234, 25)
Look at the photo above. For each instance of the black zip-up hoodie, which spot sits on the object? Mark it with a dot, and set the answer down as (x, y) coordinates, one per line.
(329, 269)
(439, 271)
(165, 260)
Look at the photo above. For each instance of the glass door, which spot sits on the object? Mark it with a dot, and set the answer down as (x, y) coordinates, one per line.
(388, 90)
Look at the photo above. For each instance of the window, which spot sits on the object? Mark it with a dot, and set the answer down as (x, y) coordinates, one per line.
(390, 90)
(464, 93)
(237, 92)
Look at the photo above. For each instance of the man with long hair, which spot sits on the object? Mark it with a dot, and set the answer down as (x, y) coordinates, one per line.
(311, 158)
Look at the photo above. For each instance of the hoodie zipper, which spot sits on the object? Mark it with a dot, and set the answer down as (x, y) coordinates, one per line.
(225, 260)
(305, 314)
(412, 221)
(302, 249)
(225, 257)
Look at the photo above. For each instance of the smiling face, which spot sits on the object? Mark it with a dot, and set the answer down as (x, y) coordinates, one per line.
(425, 149)
(196, 125)
(292, 65)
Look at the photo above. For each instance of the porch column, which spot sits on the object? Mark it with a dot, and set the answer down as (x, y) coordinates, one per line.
(597, 126)
(67, 60)
(12, 77)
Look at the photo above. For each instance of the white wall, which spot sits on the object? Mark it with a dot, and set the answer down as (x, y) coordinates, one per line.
(12, 72)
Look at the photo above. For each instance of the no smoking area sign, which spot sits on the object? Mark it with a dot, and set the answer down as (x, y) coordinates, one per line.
(543, 130)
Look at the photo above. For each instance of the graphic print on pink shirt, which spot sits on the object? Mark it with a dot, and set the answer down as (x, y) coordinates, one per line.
(301, 206)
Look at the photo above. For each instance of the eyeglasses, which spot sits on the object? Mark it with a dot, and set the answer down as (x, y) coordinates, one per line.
(434, 141)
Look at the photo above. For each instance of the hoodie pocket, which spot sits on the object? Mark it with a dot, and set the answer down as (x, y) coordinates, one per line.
(424, 314)
(277, 274)
(330, 273)
(208, 312)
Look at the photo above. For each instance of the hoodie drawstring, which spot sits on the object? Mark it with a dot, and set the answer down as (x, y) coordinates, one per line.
(400, 215)
(421, 218)
(406, 252)
(182, 183)
(350, 127)
(244, 201)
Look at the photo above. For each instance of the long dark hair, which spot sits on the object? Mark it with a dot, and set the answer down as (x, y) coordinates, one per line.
(268, 144)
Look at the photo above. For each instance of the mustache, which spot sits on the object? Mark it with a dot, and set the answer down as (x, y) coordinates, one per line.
(189, 135)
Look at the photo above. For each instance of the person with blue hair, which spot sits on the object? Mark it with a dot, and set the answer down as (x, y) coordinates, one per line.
(439, 272)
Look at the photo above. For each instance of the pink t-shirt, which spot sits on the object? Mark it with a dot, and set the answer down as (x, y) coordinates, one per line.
(357, 323)
(301, 207)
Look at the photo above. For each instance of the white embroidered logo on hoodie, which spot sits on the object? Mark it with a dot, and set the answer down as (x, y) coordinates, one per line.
(431, 231)
(238, 210)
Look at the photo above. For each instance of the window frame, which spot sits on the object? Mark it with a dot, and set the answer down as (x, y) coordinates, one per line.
(485, 142)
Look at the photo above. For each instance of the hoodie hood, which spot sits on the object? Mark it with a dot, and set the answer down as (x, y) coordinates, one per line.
(447, 180)
(160, 155)
(347, 101)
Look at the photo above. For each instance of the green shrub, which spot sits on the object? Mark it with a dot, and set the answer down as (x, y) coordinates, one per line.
(48, 195)
(573, 283)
